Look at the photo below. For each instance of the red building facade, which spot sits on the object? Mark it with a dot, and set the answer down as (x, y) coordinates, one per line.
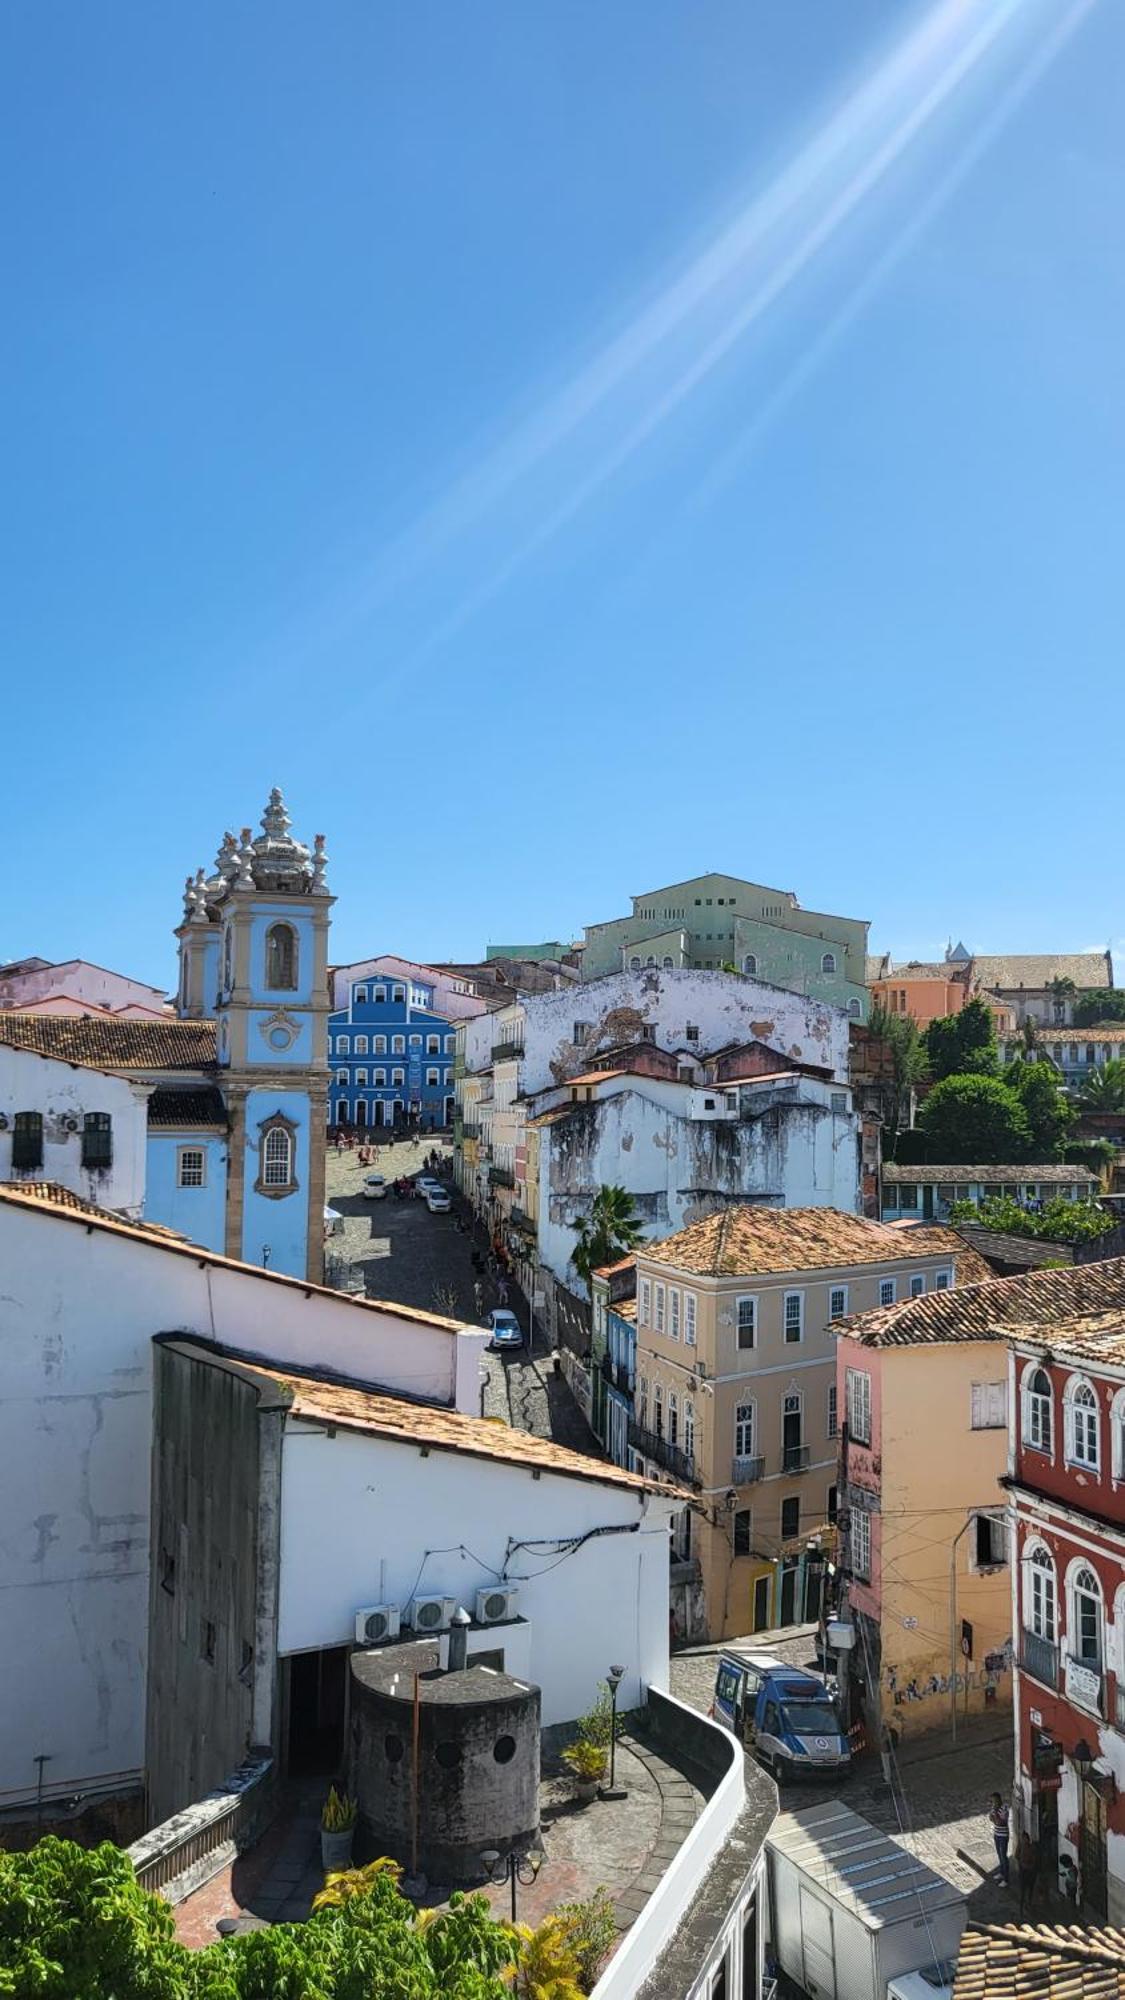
(1066, 1481)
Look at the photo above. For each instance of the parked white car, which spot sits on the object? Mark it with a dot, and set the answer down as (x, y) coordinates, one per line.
(374, 1187)
(437, 1201)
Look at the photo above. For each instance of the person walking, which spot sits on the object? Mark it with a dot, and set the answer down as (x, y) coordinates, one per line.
(1027, 1861)
(998, 1820)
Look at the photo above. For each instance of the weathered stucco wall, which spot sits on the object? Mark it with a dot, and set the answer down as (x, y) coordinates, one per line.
(58, 1091)
(798, 1152)
(723, 1009)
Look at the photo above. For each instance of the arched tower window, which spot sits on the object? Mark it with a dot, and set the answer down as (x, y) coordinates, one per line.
(277, 1156)
(228, 958)
(750, 964)
(828, 962)
(281, 958)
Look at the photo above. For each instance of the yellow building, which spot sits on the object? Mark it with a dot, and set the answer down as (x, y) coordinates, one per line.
(922, 1394)
(736, 1386)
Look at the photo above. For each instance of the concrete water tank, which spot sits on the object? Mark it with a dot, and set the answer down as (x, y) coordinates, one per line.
(477, 1759)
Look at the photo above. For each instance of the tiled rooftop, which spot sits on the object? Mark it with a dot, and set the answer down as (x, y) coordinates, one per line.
(1037, 969)
(934, 1240)
(1040, 1962)
(1088, 1336)
(894, 1174)
(401, 1422)
(104, 1042)
(741, 1242)
(987, 1310)
(187, 1107)
(1113, 1031)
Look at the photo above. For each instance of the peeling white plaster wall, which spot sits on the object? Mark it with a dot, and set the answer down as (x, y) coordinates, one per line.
(61, 1090)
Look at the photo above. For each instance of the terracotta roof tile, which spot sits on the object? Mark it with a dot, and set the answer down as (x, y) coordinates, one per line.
(934, 1240)
(188, 1107)
(109, 1043)
(354, 1408)
(1111, 1032)
(1037, 969)
(985, 1311)
(1090, 1336)
(1040, 1962)
(51, 1194)
(739, 1242)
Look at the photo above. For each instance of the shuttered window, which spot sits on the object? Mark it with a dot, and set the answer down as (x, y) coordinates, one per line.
(27, 1140)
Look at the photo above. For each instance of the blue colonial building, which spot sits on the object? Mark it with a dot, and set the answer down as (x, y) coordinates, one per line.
(236, 1081)
(391, 1057)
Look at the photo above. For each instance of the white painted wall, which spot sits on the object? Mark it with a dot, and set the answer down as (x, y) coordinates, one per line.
(78, 1310)
(723, 1008)
(803, 1155)
(61, 1090)
(365, 1521)
(448, 1002)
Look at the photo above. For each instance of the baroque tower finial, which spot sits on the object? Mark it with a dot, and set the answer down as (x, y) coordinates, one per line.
(320, 863)
(244, 878)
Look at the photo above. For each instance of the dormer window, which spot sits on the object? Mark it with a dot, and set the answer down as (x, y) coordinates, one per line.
(281, 958)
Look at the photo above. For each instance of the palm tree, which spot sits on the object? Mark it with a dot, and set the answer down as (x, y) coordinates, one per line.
(611, 1228)
(1105, 1090)
(1061, 991)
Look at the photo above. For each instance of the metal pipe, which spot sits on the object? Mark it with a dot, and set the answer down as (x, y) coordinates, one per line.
(417, 1721)
(967, 1523)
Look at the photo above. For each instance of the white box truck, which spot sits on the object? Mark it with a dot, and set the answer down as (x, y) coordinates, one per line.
(854, 1915)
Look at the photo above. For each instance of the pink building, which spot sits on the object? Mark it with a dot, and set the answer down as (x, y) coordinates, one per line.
(454, 998)
(75, 986)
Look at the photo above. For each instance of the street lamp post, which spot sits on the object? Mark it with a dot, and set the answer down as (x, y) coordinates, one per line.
(613, 1790)
(513, 1868)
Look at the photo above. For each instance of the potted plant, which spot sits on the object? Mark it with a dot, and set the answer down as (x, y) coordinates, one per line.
(337, 1831)
(587, 1761)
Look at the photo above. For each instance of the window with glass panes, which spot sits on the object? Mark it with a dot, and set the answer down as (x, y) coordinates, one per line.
(747, 1315)
(857, 1384)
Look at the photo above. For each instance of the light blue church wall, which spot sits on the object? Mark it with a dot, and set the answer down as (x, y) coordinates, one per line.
(200, 1212)
(277, 1225)
(262, 1049)
(298, 918)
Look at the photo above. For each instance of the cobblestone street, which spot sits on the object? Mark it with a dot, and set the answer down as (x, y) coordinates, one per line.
(942, 1794)
(395, 1249)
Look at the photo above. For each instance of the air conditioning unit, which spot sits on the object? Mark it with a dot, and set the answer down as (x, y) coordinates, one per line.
(375, 1622)
(496, 1605)
(431, 1614)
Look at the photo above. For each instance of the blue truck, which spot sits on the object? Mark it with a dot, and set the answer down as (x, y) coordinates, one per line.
(784, 1713)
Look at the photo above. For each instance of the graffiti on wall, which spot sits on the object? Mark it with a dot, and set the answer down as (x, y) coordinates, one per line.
(918, 1685)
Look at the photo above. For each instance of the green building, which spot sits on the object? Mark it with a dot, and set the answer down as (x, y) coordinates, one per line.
(716, 920)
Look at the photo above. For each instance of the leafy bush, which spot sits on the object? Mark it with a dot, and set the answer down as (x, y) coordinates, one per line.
(1056, 1222)
(339, 1812)
(75, 1925)
(975, 1120)
(590, 1928)
(586, 1759)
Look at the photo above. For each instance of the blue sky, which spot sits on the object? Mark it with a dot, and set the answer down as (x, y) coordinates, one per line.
(567, 447)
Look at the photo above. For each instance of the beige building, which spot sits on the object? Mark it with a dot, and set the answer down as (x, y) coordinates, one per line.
(736, 1386)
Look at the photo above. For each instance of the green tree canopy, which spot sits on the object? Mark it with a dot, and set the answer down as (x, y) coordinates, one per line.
(909, 1063)
(1107, 1004)
(1105, 1090)
(974, 1120)
(962, 1044)
(1050, 1114)
(611, 1228)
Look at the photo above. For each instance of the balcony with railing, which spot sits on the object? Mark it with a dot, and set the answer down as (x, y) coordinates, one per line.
(1039, 1658)
(507, 1050)
(470, 1128)
(501, 1177)
(745, 1470)
(654, 1446)
(795, 1458)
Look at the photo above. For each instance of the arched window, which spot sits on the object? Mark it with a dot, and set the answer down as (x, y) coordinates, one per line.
(650, 961)
(281, 958)
(750, 963)
(668, 965)
(278, 1158)
(1037, 1409)
(1086, 1623)
(1082, 1425)
(828, 962)
(854, 1010)
(1040, 1608)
